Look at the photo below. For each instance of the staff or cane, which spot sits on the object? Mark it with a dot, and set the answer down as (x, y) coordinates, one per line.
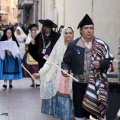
(29, 73)
(61, 69)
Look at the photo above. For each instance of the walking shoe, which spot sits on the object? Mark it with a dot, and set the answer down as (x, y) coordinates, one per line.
(37, 85)
(5, 86)
(33, 85)
(10, 86)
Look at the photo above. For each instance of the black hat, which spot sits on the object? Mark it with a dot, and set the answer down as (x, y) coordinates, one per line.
(48, 23)
(32, 25)
(85, 21)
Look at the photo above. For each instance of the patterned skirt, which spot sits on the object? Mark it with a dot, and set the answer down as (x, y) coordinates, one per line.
(59, 107)
(31, 68)
(11, 68)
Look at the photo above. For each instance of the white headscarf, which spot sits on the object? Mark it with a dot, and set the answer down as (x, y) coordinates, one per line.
(20, 37)
(49, 74)
(29, 37)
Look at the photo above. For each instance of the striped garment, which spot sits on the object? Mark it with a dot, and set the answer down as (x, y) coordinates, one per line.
(95, 99)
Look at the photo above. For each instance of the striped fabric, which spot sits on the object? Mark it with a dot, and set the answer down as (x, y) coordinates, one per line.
(95, 99)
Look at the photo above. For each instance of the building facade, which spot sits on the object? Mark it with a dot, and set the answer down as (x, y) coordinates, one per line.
(70, 12)
(28, 11)
(106, 18)
(8, 11)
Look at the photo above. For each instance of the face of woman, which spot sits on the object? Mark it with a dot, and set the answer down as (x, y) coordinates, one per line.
(33, 33)
(9, 34)
(18, 32)
(68, 35)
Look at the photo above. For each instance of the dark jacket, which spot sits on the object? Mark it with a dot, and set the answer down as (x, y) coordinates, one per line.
(36, 49)
(74, 60)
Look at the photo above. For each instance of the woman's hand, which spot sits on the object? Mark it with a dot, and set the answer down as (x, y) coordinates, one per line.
(36, 75)
(32, 41)
(8, 52)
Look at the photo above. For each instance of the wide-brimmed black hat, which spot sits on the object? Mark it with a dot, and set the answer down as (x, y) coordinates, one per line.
(48, 23)
(85, 21)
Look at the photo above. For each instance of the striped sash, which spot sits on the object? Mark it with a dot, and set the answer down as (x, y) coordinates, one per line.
(95, 99)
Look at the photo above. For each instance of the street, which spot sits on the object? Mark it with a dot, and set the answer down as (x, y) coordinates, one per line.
(21, 102)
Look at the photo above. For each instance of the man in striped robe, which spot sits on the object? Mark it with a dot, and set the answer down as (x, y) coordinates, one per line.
(88, 58)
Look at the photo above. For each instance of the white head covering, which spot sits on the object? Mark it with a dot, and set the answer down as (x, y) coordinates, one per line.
(49, 74)
(29, 37)
(20, 37)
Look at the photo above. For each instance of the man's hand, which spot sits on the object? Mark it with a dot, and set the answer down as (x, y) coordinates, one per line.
(36, 75)
(45, 56)
(65, 73)
(96, 64)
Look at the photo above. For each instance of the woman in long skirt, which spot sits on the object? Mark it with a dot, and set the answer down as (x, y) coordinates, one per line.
(10, 61)
(28, 61)
(55, 89)
(21, 37)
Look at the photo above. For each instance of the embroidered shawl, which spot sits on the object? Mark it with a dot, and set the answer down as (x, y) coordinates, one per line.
(50, 74)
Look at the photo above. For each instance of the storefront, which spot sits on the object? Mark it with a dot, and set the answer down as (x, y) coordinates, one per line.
(3, 17)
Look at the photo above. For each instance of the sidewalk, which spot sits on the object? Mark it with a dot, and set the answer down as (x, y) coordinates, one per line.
(21, 102)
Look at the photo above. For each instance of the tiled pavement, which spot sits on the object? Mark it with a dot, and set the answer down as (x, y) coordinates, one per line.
(21, 102)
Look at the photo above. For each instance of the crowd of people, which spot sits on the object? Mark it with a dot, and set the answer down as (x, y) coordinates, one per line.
(45, 52)
(22, 36)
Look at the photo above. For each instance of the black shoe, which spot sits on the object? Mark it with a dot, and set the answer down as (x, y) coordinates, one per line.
(10, 86)
(5, 86)
(37, 85)
(33, 85)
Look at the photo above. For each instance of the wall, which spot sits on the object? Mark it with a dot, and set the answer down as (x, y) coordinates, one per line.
(10, 7)
(105, 15)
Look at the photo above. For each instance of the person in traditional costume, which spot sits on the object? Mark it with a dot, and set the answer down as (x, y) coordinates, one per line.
(88, 58)
(21, 37)
(34, 26)
(44, 42)
(10, 61)
(29, 63)
(55, 89)
(60, 29)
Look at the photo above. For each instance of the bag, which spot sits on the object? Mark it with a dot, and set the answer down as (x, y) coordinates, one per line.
(26, 47)
(30, 60)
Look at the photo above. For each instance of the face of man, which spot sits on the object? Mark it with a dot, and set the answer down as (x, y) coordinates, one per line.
(87, 32)
(46, 29)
